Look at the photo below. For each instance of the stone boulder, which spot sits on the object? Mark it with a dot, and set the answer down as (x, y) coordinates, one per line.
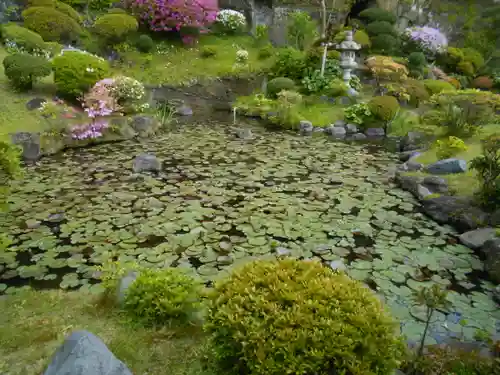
(184, 110)
(491, 252)
(337, 133)
(30, 144)
(375, 132)
(306, 127)
(244, 133)
(356, 137)
(412, 141)
(407, 155)
(447, 166)
(146, 163)
(144, 126)
(339, 124)
(475, 239)
(351, 128)
(436, 184)
(85, 354)
(35, 103)
(457, 211)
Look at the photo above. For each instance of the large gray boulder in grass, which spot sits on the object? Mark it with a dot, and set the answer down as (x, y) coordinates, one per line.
(447, 166)
(83, 353)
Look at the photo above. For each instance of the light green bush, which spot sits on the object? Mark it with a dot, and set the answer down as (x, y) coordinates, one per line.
(384, 108)
(276, 85)
(114, 28)
(51, 24)
(24, 69)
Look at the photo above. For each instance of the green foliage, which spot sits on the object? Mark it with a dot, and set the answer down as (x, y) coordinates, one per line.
(377, 14)
(261, 36)
(60, 6)
(380, 27)
(404, 122)
(117, 11)
(10, 169)
(384, 108)
(114, 28)
(24, 69)
(336, 88)
(93, 5)
(385, 44)
(358, 113)
(159, 297)
(315, 83)
(488, 169)
(299, 317)
(434, 86)
(75, 72)
(465, 61)
(302, 30)
(51, 24)
(289, 63)
(416, 63)
(24, 38)
(208, 51)
(449, 147)
(276, 85)
(144, 43)
(286, 113)
(266, 51)
(416, 91)
(462, 122)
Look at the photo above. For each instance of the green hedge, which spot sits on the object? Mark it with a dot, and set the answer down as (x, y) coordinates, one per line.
(51, 24)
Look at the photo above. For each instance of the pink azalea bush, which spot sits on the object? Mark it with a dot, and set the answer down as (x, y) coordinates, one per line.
(168, 15)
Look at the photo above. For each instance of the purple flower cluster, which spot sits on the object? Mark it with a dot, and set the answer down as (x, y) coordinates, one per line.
(99, 108)
(430, 38)
(92, 130)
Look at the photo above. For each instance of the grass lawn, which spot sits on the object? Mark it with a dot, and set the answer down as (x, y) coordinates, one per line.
(464, 184)
(321, 114)
(179, 64)
(34, 323)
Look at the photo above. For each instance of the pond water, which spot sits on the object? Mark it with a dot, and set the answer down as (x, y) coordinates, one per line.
(220, 201)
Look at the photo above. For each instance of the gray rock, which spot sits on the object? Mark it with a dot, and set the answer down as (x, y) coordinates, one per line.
(412, 141)
(339, 124)
(351, 128)
(338, 133)
(345, 100)
(329, 129)
(375, 132)
(409, 183)
(30, 144)
(436, 184)
(338, 265)
(495, 218)
(318, 130)
(423, 192)
(496, 296)
(447, 166)
(357, 137)
(184, 110)
(475, 239)
(83, 353)
(456, 211)
(407, 155)
(282, 251)
(225, 260)
(35, 103)
(123, 286)
(412, 166)
(491, 251)
(244, 133)
(32, 224)
(144, 125)
(306, 127)
(146, 163)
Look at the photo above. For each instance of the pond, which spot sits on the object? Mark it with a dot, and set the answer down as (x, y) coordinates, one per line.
(220, 201)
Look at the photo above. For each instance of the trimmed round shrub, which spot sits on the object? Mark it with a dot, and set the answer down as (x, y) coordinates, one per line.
(416, 90)
(51, 24)
(23, 38)
(299, 317)
(377, 14)
(417, 60)
(266, 51)
(483, 82)
(384, 108)
(24, 69)
(117, 11)
(362, 38)
(230, 21)
(289, 62)
(474, 57)
(380, 27)
(144, 43)
(158, 297)
(114, 28)
(385, 44)
(434, 86)
(76, 72)
(59, 5)
(276, 85)
(208, 51)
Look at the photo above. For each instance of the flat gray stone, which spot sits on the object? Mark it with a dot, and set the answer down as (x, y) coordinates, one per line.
(412, 166)
(407, 155)
(339, 124)
(491, 251)
(357, 137)
(184, 110)
(244, 133)
(375, 132)
(447, 166)
(436, 184)
(351, 128)
(318, 130)
(423, 192)
(35, 103)
(306, 127)
(338, 133)
(475, 239)
(146, 163)
(30, 144)
(83, 353)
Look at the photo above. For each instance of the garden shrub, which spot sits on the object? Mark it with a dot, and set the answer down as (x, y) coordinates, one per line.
(416, 91)
(51, 24)
(384, 67)
(435, 86)
(127, 90)
(59, 5)
(208, 51)
(24, 69)
(482, 82)
(377, 14)
(488, 169)
(315, 83)
(454, 82)
(290, 63)
(276, 85)
(425, 39)
(24, 38)
(265, 51)
(379, 28)
(114, 28)
(336, 88)
(117, 11)
(449, 147)
(230, 22)
(416, 63)
(466, 61)
(159, 297)
(144, 43)
(358, 113)
(302, 30)
(261, 35)
(76, 72)
(385, 44)
(384, 108)
(286, 110)
(299, 317)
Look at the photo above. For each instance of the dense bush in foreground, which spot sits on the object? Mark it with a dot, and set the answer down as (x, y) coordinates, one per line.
(51, 24)
(24, 69)
(298, 317)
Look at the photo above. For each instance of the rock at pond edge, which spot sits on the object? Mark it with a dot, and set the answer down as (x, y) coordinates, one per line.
(123, 286)
(478, 237)
(146, 163)
(84, 353)
(447, 166)
(491, 251)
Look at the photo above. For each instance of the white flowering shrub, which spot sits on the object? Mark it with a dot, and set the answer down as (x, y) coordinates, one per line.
(230, 21)
(126, 89)
(241, 56)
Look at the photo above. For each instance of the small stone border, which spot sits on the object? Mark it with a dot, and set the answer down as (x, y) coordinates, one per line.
(340, 130)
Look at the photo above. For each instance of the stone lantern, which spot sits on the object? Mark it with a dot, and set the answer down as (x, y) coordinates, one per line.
(348, 63)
